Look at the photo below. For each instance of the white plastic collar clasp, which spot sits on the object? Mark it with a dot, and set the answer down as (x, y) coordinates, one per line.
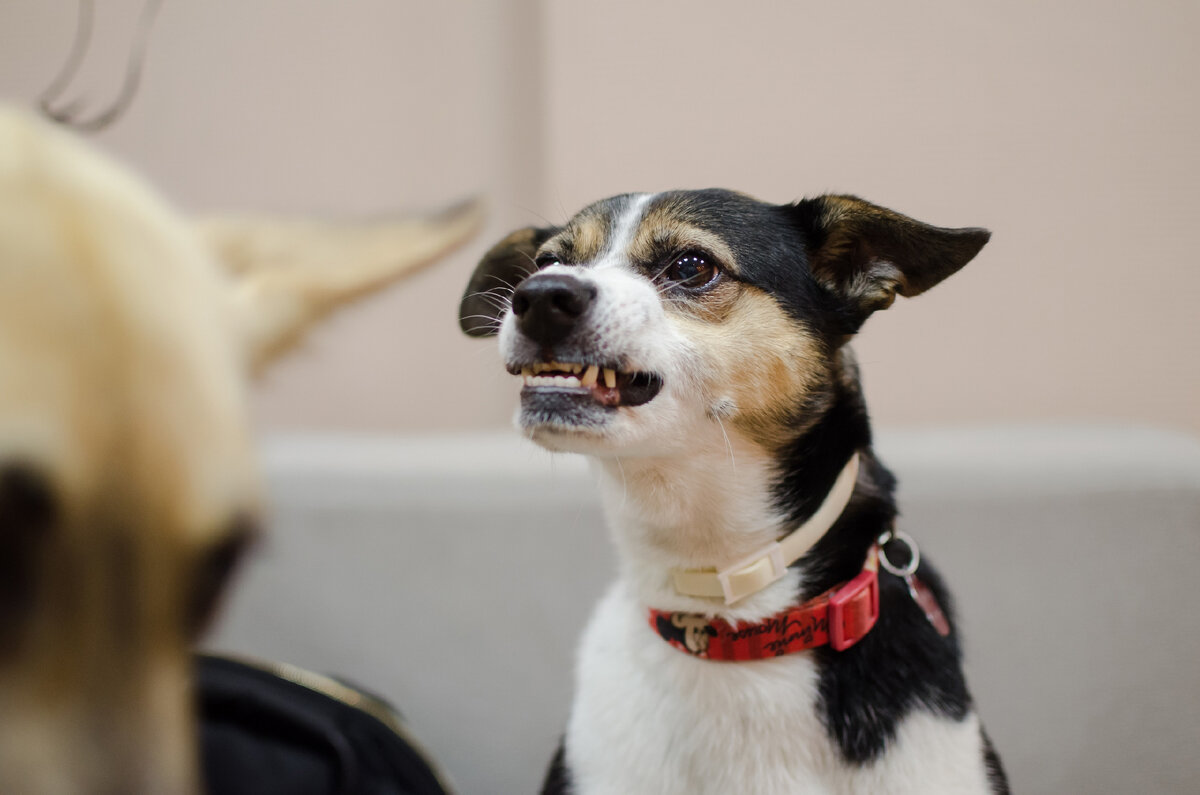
(752, 574)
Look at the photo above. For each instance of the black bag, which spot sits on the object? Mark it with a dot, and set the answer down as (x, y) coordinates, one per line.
(274, 729)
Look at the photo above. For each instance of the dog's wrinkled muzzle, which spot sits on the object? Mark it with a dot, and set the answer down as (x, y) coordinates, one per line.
(565, 381)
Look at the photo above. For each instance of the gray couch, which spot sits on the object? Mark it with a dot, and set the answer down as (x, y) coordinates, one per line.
(452, 574)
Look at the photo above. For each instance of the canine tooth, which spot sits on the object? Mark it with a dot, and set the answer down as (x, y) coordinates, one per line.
(589, 378)
(610, 378)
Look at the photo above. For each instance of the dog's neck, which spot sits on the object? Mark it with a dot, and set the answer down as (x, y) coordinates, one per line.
(727, 497)
(707, 509)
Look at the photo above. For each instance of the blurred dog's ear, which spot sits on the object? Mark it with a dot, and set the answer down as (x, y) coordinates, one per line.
(868, 254)
(290, 273)
(502, 268)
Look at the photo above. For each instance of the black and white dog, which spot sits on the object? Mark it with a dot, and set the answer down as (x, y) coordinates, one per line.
(770, 632)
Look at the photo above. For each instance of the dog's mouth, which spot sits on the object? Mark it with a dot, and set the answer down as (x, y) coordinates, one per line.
(608, 386)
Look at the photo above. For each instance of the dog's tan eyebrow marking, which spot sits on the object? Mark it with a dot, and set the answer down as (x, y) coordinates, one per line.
(582, 240)
(661, 235)
(589, 236)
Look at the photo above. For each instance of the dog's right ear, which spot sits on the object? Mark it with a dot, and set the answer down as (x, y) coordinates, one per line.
(502, 268)
(290, 273)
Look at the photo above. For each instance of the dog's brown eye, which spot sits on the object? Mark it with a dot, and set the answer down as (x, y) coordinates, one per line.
(546, 260)
(692, 270)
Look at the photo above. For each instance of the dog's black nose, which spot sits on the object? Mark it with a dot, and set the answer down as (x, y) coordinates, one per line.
(548, 306)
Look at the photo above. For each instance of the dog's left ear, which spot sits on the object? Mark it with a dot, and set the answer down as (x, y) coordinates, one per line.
(497, 275)
(290, 273)
(868, 254)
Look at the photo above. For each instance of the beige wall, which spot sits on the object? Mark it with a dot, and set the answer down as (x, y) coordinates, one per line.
(1069, 129)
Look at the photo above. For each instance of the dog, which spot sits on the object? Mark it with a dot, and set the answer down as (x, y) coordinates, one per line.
(128, 487)
(770, 630)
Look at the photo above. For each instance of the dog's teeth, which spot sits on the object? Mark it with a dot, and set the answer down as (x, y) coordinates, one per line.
(526, 371)
(610, 378)
(550, 380)
(577, 368)
(589, 378)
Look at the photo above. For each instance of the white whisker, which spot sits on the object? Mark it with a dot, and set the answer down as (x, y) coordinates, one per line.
(493, 322)
(624, 483)
(728, 444)
(507, 284)
(532, 261)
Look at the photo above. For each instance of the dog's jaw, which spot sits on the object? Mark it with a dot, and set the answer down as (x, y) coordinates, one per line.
(572, 421)
(617, 391)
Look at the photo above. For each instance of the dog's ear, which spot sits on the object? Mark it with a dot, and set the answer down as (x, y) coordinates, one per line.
(502, 268)
(290, 273)
(868, 254)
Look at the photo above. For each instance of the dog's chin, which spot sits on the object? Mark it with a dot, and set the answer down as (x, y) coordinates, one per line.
(564, 410)
(566, 419)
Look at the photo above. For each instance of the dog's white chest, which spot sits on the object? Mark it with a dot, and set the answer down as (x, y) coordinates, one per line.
(650, 719)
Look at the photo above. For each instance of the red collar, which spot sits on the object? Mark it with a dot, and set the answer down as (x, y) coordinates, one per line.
(841, 617)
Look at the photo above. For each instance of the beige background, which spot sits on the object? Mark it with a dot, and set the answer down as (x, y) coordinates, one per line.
(1069, 129)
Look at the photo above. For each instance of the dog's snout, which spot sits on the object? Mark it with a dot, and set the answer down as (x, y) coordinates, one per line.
(548, 306)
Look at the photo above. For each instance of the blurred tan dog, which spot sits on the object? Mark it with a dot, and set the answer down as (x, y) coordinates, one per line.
(127, 480)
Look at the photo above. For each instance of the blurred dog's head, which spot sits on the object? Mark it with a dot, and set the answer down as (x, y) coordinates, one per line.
(127, 484)
(648, 316)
